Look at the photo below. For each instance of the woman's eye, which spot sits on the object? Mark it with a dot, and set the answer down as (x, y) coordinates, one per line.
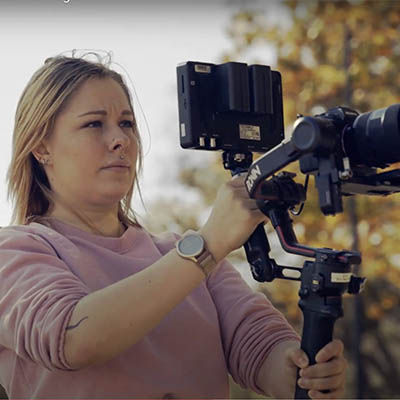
(94, 123)
(128, 123)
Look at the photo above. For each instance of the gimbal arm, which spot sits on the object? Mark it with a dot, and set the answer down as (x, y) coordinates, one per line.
(307, 138)
(317, 149)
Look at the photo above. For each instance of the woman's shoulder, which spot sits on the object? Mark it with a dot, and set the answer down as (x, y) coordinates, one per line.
(33, 228)
(30, 234)
(18, 231)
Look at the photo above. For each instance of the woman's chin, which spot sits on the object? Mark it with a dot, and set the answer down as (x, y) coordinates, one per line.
(111, 198)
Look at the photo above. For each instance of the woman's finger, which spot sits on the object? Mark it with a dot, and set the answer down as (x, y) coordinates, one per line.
(335, 366)
(333, 382)
(332, 349)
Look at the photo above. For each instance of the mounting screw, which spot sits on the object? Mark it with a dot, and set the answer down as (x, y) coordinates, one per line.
(324, 257)
(304, 292)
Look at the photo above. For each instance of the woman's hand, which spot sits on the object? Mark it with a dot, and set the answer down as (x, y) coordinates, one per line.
(329, 372)
(233, 219)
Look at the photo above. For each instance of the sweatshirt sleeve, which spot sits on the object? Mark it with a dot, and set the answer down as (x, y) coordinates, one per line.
(250, 326)
(37, 295)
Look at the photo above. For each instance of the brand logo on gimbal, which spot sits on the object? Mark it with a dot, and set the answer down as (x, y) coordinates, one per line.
(252, 177)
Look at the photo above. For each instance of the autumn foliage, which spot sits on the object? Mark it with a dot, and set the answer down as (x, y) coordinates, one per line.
(330, 53)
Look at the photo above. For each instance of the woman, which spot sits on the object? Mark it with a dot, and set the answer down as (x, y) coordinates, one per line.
(92, 305)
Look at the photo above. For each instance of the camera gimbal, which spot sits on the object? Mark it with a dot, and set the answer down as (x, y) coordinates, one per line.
(324, 280)
(238, 109)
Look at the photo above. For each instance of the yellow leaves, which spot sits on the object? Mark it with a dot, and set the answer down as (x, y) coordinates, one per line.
(379, 39)
(374, 312)
(306, 94)
(389, 229)
(331, 74)
(375, 239)
(290, 51)
(379, 269)
(300, 230)
(359, 95)
(342, 236)
(363, 229)
(389, 302)
(311, 51)
(315, 28)
(377, 310)
(323, 236)
(285, 296)
(395, 259)
(354, 69)
(334, 54)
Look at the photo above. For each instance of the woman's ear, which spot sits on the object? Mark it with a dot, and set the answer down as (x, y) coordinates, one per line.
(42, 154)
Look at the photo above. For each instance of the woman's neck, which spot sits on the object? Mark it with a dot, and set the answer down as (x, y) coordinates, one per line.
(105, 225)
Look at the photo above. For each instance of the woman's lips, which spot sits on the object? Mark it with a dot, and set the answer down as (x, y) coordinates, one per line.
(117, 169)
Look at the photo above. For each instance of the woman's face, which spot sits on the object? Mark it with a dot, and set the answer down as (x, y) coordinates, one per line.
(91, 133)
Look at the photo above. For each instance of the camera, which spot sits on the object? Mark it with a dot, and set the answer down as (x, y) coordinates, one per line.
(230, 106)
(237, 108)
(344, 149)
(369, 140)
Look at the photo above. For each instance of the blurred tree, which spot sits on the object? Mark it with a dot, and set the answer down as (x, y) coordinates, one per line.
(329, 54)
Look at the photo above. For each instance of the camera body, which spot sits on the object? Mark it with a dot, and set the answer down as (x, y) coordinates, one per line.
(230, 106)
(369, 140)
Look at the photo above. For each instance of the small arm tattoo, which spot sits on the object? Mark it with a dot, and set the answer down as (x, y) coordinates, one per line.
(74, 326)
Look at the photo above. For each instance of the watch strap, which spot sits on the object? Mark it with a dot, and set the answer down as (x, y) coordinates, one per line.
(205, 260)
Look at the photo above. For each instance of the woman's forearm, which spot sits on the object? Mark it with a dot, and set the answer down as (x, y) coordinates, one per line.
(110, 320)
(273, 377)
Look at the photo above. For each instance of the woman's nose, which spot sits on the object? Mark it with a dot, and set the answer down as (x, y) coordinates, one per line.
(118, 139)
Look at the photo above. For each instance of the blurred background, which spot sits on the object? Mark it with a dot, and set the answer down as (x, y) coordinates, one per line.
(329, 53)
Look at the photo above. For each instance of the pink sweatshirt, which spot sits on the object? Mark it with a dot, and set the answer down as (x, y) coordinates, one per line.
(221, 327)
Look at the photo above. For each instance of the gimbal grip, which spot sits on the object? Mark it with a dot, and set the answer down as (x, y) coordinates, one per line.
(257, 249)
(317, 332)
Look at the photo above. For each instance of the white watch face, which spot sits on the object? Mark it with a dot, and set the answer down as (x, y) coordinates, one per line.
(191, 245)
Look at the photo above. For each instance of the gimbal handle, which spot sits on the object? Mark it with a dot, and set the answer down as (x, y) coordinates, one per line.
(322, 281)
(317, 332)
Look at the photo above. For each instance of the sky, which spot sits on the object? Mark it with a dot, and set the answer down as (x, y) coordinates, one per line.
(148, 38)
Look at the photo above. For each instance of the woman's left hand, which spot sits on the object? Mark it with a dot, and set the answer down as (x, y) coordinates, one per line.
(329, 372)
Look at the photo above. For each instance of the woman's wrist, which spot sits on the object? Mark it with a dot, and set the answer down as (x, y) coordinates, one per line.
(214, 244)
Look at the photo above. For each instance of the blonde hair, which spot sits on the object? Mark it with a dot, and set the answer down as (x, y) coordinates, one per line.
(43, 98)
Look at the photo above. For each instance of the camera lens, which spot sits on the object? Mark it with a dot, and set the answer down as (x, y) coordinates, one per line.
(314, 134)
(374, 138)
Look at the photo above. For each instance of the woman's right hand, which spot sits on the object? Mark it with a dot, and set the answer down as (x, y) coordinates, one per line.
(233, 219)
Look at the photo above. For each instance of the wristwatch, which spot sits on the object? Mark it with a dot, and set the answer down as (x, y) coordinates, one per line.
(192, 246)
